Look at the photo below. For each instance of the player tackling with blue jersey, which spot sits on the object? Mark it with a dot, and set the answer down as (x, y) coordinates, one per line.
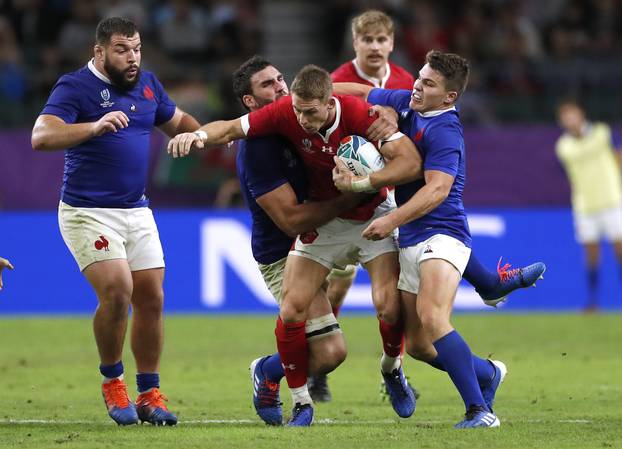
(103, 116)
(434, 236)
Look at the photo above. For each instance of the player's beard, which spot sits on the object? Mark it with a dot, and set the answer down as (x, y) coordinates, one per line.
(118, 76)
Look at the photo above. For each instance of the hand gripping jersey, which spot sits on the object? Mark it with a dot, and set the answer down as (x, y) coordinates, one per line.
(317, 150)
(438, 137)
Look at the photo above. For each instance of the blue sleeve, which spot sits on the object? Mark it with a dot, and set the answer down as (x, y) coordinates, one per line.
(263, 166)
(64, 101)
(166, 106)
(397, 99)
(445, 149)
(615, 140)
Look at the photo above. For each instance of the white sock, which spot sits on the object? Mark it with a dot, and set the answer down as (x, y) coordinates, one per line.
(110, 379)
(301, 395)
(388, 363)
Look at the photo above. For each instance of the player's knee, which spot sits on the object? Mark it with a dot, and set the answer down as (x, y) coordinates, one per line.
(432, 321)
(148, 301)
(115, 297)
(292, 311)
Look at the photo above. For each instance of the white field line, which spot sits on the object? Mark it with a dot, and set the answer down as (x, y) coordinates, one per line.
(326, 421)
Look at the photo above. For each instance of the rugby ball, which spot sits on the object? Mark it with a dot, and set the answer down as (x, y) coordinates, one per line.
(360, 155)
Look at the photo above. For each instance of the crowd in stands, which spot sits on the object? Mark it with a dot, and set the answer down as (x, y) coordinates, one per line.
(525, 54)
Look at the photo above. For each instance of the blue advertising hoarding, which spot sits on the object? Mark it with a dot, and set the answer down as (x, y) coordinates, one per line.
(209, 266)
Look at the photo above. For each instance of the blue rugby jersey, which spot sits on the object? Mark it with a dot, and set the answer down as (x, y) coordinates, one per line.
(439, 139)
(109, 170)
(263, 164)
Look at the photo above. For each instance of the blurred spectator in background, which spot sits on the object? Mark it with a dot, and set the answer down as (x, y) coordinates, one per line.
(592, 158)
(12, 76)
(4, 263)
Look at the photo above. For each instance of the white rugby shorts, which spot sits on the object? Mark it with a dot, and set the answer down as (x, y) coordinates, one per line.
(592, 228)
(339, 243)
(438, 246)
(94, 234)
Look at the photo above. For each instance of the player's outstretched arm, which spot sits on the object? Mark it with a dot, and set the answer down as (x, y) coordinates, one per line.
(356, 89)
(213, 134)
(52, 133)
(295, 218)
(181, 122)
(4, 263)
(436, 189)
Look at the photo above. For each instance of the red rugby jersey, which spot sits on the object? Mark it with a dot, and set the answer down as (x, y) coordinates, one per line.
(396, 77)
(317, 150)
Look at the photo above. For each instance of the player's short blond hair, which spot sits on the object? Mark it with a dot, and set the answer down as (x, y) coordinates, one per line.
(372, 20)
(312, 83)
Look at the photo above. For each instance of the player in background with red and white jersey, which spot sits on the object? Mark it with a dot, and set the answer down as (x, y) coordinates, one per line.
(315, 121)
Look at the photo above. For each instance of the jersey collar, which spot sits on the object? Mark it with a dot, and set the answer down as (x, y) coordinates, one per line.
(435, 113)
(97, 73)
(334, 126)
(375, 81)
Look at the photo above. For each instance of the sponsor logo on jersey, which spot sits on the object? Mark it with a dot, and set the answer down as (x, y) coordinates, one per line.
(148, 93)
(306, 145)
(427, 250)
(101, 243)
(133, 108)
(105, 94)
(327, 149)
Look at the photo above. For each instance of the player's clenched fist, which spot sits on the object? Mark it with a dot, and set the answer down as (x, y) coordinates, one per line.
(111, 122)
(380, 228)
(181, 144)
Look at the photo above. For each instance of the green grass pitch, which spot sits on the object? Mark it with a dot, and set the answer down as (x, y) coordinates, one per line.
(563, 390)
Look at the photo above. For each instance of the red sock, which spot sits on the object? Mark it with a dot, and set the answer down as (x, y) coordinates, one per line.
(392, 338)
(291, 342)
(336, 310)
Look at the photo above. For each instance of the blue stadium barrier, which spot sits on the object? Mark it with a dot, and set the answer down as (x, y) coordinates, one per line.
(210, 268)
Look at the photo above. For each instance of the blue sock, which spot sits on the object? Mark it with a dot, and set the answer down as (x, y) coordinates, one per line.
(111, 371)
(147, 381)
(455, 355)
(484, 371)
(273, 368)
(479, 277)
(592, 285)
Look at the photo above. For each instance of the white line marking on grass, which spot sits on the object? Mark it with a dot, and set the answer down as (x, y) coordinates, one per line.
(325, 421)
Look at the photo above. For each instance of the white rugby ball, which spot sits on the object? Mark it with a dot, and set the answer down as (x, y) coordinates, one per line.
(360, 155)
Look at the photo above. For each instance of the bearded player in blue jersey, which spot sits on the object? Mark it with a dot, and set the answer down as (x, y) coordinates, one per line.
(103, 116)
(434, 236)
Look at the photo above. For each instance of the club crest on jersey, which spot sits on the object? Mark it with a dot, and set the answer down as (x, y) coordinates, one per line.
(306, 145)
(105, 94)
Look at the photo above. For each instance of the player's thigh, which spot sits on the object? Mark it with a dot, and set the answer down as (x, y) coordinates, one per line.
(111, 280)
(437, 290)
(92, 234)
(302, 279)
(339, 282)
(143, 247)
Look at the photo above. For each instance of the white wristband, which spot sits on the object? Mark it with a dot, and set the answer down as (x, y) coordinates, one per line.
(202, 135)
(362, 185)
